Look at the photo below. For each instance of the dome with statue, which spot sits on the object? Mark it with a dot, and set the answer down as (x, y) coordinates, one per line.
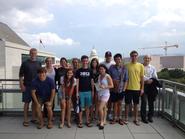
(94, 54)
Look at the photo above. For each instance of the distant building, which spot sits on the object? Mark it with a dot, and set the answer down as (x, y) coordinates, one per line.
(94, 54)
(173, 62)
(161, 62)
(13, 51)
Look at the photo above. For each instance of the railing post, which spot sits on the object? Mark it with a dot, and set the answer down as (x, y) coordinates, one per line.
(2, 99)
(174, 104)
(163, 94)
(159, 102)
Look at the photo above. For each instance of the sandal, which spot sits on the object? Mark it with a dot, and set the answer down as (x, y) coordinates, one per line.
(61, 126)
(49, 126)
(101, 127)
(40, 126)
(69, 125)
(125, 122)
(113, 121)
(136, 123)
(121, 122)
(26, 124)
(89, 125)
(80, 125)
(34, 121)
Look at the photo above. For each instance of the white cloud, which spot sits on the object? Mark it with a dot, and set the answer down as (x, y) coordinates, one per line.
(95, 3)
(114, 23)
(130, 23)
(173, 33)
(48, 39)
(167, 12)
(21, 15)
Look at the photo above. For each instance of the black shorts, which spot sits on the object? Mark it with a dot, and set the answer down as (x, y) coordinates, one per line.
(132, 95)
(114, 96)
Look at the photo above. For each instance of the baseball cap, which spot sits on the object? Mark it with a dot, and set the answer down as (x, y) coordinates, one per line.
(108, 53)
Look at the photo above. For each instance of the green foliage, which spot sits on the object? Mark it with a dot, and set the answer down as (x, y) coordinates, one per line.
(177, 75)
(164, 75)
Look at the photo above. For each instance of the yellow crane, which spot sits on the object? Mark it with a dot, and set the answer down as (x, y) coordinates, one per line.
(165, 47)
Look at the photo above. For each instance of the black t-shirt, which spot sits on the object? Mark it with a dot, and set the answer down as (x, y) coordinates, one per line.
(28, 70)
(60, 72)
(85, 76)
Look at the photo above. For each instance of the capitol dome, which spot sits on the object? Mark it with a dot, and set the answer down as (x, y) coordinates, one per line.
(93, 54)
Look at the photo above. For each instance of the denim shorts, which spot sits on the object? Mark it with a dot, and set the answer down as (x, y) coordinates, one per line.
(60, 94)
(85, 99)
(26, 95)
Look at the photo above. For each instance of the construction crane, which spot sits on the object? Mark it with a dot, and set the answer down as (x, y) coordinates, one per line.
(165, 47)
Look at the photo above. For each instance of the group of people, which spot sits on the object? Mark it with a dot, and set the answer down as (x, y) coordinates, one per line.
(99, 89)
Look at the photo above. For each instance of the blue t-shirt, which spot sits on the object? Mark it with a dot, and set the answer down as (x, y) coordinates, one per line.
(43, 88)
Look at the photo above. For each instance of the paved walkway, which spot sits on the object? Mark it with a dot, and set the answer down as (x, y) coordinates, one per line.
(11, 128)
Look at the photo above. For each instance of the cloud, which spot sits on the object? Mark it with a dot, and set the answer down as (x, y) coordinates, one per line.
(166, 12)
(173, 33)
(95, 3)
(21, 15)
(48, 39)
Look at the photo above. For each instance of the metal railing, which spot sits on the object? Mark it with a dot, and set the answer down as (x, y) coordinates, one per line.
(170, 102)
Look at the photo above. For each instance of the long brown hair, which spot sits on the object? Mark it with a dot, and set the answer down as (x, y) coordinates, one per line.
(71, 80)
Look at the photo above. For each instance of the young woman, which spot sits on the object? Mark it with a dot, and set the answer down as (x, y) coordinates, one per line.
(94, 67)
(51, 73)
(67, 87)
(104, 84)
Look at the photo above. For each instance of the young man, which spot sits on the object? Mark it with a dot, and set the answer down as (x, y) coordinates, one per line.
(85, 89)
(149, 94)
(43, 93)
(135, 87)
(119, 76)
(28, 71)
(108, 60)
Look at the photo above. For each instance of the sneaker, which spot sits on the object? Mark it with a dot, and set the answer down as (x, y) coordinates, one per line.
(150, 120)
(144, 121)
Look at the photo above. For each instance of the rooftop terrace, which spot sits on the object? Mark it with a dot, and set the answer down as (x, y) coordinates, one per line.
(170, 105)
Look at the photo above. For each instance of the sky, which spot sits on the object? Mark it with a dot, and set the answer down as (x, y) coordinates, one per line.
(71, 28)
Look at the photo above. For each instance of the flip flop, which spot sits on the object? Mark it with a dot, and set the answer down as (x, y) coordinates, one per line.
(69, 125)
(61, 126)
(136, 123)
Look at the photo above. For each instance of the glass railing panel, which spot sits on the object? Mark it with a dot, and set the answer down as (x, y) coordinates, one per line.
(168, 101)
(182, 108)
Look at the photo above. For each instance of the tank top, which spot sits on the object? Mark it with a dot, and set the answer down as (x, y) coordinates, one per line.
(104, 82)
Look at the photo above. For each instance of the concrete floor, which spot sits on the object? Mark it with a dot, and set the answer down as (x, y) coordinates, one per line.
(11, 128)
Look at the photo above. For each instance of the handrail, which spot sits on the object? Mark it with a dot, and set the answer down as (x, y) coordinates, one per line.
(170, 101)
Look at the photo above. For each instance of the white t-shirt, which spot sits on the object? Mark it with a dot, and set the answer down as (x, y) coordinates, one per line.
(108, 64)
